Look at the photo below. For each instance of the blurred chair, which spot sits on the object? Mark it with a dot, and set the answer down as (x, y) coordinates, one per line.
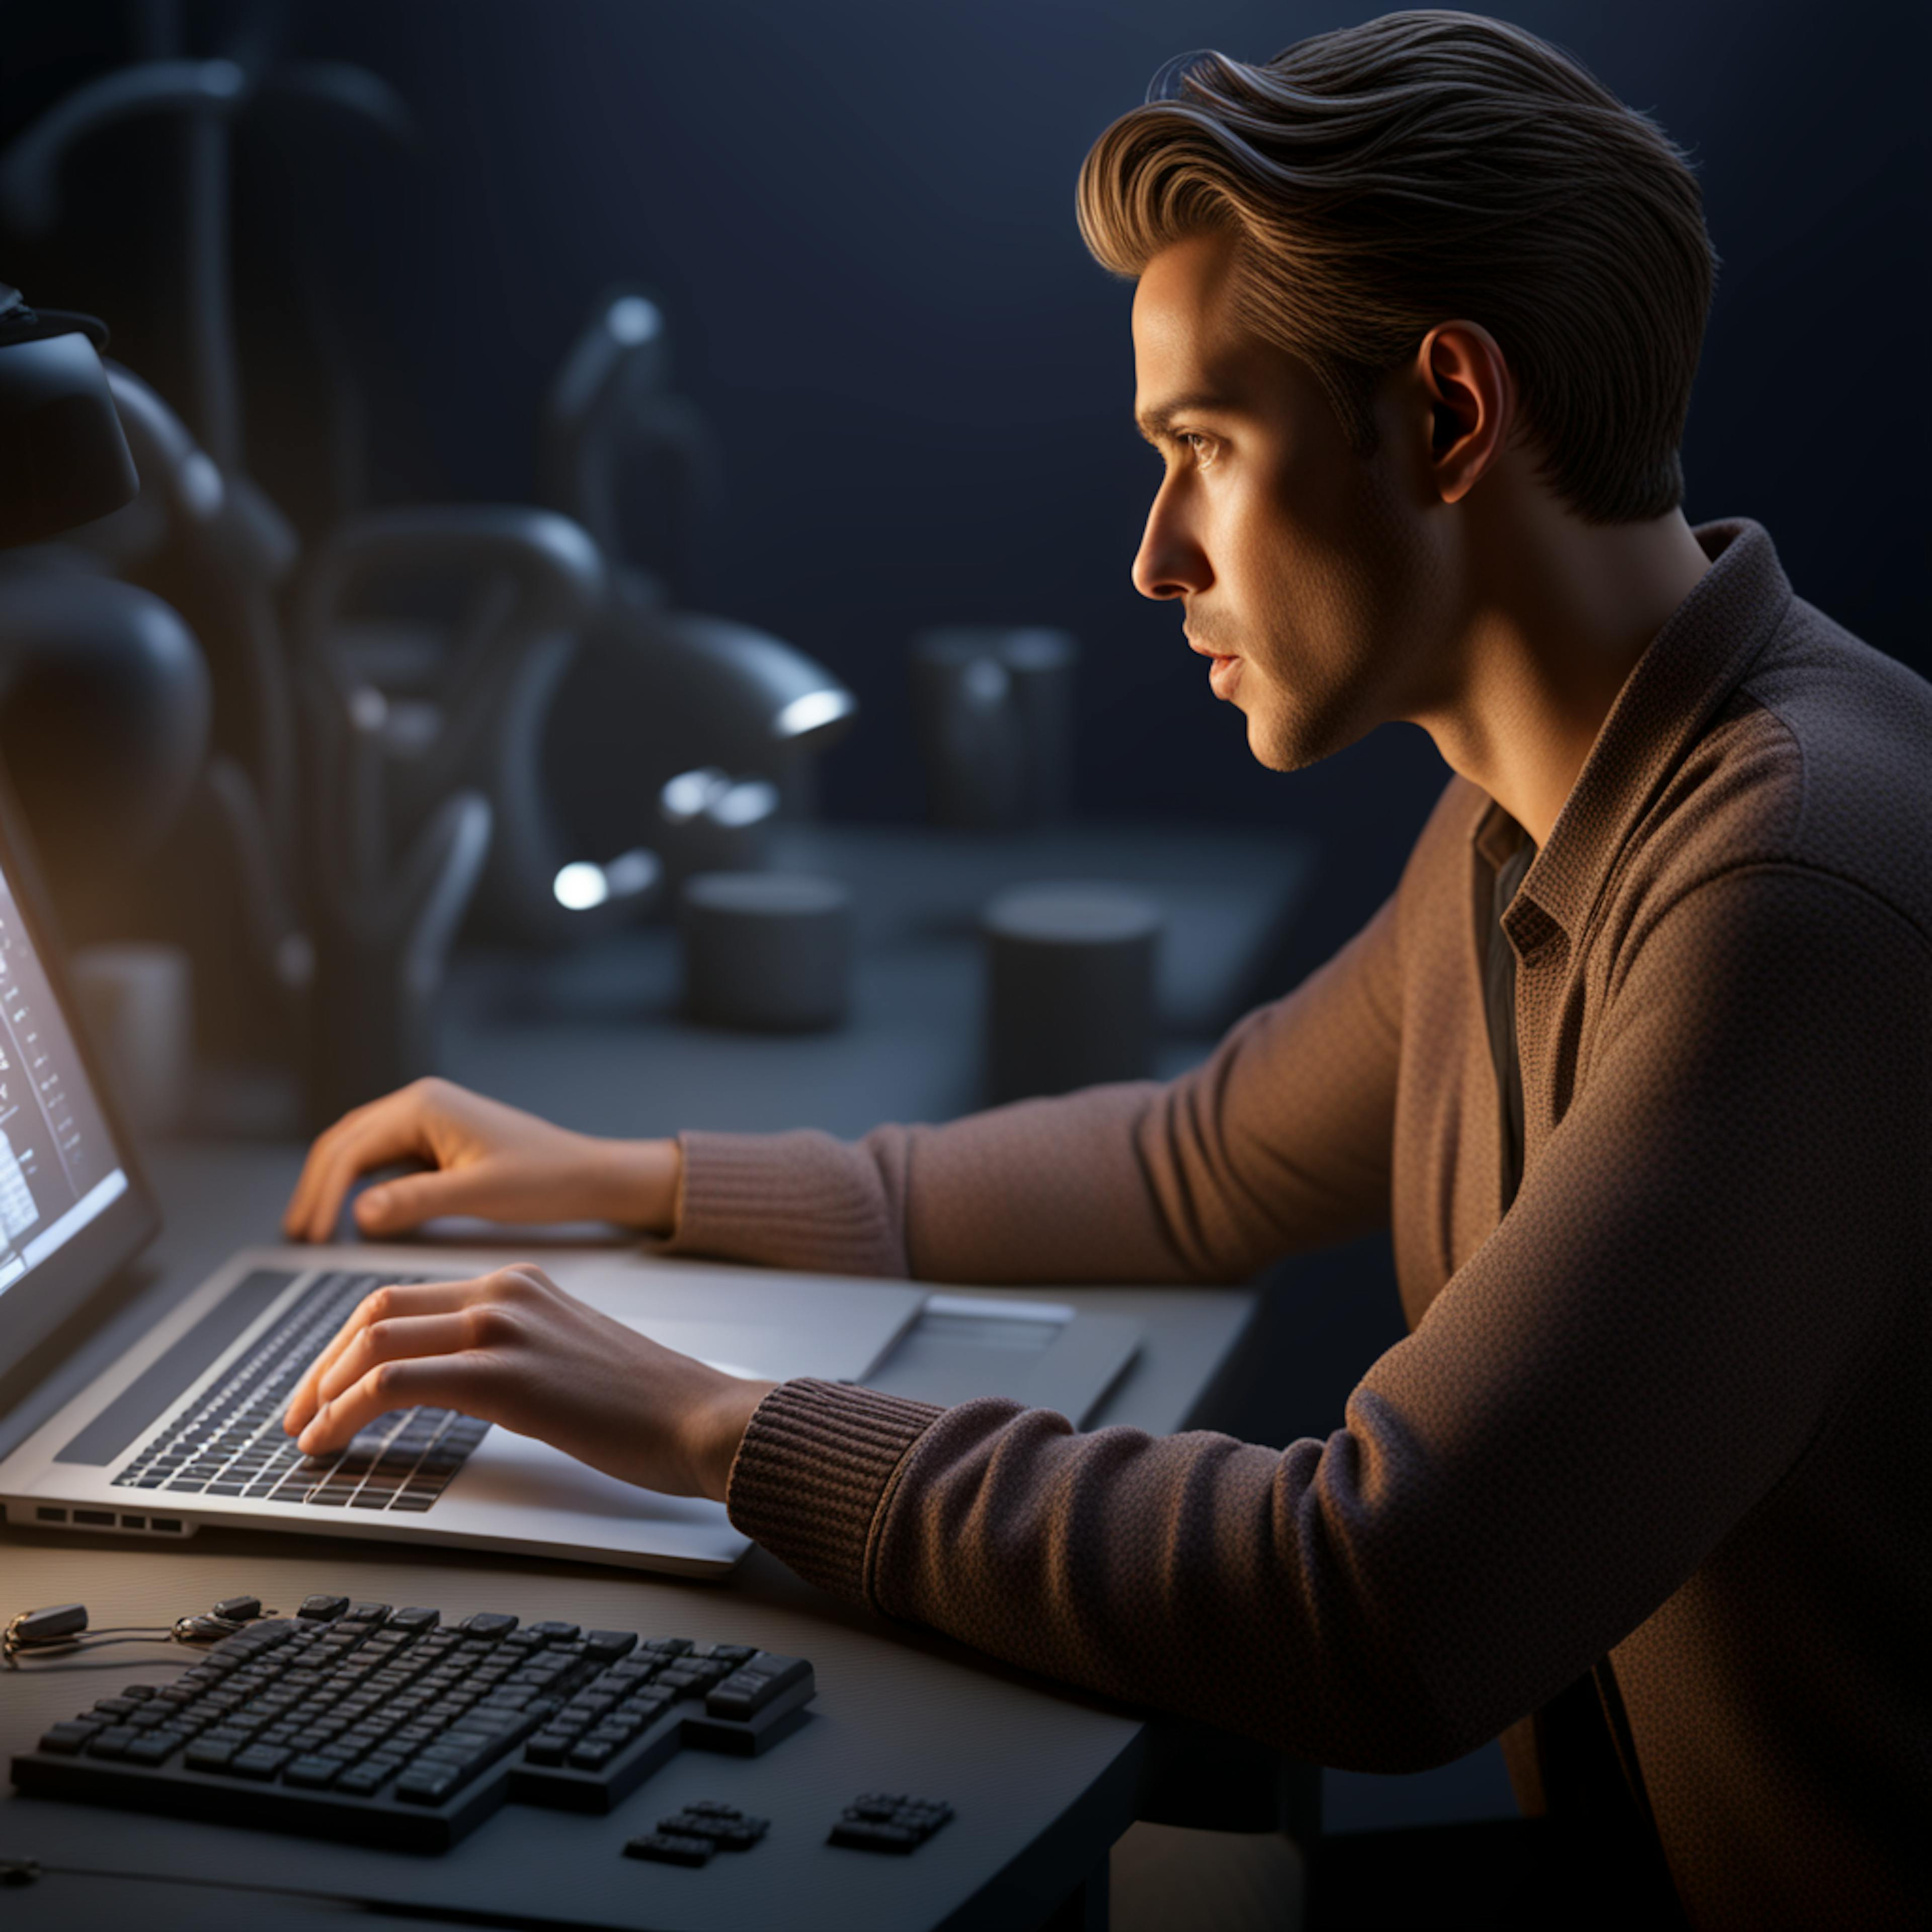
(433, 638)
(656, 692)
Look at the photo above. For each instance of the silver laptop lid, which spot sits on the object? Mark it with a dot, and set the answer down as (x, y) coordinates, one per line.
(73, 1206)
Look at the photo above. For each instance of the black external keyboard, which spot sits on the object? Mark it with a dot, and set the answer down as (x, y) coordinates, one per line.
(232, 1443)
(353, 1720)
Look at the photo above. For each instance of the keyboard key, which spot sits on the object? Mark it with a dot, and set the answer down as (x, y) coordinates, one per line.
(876, 1822)
(429, 1784)
(607, 1646)
(321, 1609)
(728, 1828)
(546, 1747)
(752, 1686)
(154, 1747)
(312, 1774)
(113, 1742)
(666, 1848)
(259, 1761)
(66, 1740)
(208, 1754)
(861, 1835)
(592, 1757)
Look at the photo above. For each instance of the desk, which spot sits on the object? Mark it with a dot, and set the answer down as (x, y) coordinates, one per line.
(1044, 1779)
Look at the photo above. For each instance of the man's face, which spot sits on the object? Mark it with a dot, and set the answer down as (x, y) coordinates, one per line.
(1302, 568)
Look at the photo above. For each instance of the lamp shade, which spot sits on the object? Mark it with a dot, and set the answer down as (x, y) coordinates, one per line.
(63, 460)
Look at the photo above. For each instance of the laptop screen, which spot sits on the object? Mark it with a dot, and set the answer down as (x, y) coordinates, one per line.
(59, 1167)
(73, 1204)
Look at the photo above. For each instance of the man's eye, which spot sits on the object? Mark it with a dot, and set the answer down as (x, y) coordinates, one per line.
(1202, 448)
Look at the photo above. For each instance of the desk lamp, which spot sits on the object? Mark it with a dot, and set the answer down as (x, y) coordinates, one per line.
(63, 458)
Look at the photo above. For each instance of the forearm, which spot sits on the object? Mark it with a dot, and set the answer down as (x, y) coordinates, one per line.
(1280, 1141)
(1193, 1574)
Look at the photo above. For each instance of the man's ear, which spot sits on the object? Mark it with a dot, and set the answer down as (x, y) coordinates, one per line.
(1472, 398)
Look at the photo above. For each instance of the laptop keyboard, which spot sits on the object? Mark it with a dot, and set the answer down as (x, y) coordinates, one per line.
(232, 1442)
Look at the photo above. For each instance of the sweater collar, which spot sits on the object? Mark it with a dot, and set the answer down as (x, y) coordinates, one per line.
(1689, 668)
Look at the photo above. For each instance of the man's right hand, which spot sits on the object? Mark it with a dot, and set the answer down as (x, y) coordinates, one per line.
(487, 1159)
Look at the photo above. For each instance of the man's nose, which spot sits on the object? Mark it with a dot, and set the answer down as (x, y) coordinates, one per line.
(1170, 561)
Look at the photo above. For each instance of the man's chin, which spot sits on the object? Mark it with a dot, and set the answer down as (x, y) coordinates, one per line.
(1291, 743)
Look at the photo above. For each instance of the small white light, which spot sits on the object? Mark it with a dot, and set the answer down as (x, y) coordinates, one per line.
(632, 872)
(986, 683)
(633, 319)
(685, 797)
(580, 885)
(201, 484)
(815, 708)
(744, 803)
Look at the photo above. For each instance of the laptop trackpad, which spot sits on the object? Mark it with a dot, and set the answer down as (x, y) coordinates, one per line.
(508, 1471)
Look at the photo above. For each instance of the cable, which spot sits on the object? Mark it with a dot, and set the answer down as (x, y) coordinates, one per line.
(34, 1633)
(36, 1667)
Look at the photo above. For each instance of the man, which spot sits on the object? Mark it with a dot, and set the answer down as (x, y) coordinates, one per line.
(1636, 1062)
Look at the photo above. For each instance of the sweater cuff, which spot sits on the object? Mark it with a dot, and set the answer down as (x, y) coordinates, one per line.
(812, 1472)
(792, 1200)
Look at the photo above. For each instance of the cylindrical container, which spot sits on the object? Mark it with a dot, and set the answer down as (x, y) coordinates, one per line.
(1041, 664)
(1069, 987)
(139, 1006)
(993, 707)
(767, 952)
(969, 740)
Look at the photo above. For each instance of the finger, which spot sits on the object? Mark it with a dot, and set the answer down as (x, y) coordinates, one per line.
(410, 1338)
(419, 1298)
(394, 1302)
(367, 1144)
(414, 1199)
(388, 1129)
(295, 1218)
(438, 1381)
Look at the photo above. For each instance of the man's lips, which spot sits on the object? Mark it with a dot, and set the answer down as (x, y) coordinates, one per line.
(1223, 667)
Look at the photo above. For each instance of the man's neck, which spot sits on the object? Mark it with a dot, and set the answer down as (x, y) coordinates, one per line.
(1560, 611)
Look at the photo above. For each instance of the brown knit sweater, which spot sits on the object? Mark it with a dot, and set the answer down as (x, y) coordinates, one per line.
(1671, 1407)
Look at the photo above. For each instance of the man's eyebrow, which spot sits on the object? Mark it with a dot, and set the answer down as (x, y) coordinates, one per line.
(1157, 424)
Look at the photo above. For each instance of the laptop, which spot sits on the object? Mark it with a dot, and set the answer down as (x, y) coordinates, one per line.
(183, 1428)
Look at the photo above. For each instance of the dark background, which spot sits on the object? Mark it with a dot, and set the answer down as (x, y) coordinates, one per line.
(858, 215)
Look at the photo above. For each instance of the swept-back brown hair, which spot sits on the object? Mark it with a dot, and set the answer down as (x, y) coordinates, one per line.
(1428, 167)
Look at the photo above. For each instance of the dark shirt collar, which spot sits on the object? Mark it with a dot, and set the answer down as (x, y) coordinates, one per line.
(1691, 667)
